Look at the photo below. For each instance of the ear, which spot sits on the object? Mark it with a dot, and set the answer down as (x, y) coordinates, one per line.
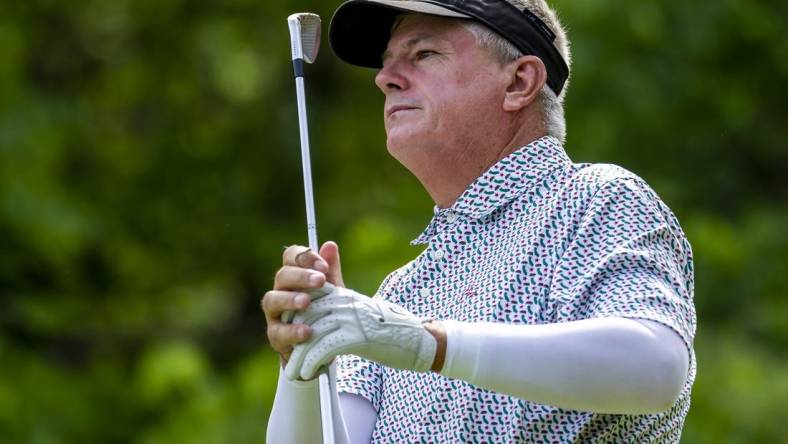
(528, 76)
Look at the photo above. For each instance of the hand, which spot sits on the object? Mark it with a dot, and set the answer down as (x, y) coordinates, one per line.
(348, 322)
(302, 272)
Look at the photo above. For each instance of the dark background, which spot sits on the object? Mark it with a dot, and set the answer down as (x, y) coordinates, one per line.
(150, 177)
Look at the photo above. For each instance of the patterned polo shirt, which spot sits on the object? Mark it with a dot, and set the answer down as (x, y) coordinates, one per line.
(536, 239)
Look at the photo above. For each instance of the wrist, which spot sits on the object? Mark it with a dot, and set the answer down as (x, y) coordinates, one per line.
(437, 331)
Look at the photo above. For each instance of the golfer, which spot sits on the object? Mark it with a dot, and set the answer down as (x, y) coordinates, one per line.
(552, 301)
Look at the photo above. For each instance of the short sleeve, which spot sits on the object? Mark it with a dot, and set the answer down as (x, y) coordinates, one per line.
(360, 377)
(627, 258)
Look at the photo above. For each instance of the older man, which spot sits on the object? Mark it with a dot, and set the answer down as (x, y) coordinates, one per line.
(553, 301)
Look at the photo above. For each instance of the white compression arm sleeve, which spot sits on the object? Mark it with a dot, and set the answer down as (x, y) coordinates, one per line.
(295, 417)
(603, 365)
(361, 417)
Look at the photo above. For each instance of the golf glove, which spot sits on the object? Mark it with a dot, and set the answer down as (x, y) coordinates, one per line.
(346, 322)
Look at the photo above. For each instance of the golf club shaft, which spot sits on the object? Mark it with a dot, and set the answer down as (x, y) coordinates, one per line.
(311, 223)
(326, 380)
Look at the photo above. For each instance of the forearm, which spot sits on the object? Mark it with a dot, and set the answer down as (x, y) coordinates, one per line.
(295, 416)
(606, 365)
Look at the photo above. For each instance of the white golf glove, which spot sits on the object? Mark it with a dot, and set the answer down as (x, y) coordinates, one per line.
(346, 322)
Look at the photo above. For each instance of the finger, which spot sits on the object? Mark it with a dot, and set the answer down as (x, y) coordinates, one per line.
(325, 290)
(296, 278)
(309, 370)
(324, 349)
(340, 307)
(310, 317)
(300, 256)
(283, 337)
(330, 253)
(276, 302)
(293, 368)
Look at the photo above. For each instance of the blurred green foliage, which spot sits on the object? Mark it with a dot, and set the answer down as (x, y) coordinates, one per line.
(150, 176)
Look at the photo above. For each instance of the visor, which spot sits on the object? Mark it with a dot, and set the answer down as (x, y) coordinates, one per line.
(360, 30)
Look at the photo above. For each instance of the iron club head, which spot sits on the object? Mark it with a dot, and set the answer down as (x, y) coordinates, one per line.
(304, 35)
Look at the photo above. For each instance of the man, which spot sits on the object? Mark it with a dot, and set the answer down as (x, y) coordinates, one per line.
(553, 302)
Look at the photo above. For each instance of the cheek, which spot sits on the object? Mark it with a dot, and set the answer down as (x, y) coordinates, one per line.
(483, 90)
(468, 103)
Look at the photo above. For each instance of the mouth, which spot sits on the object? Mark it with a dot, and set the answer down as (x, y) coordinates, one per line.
(390, 111)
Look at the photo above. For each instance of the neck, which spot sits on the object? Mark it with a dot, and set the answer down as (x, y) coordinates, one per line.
(451, 174)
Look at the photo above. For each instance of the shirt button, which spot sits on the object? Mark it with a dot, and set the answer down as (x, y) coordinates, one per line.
(424, 292)
(439, 254)
(451, 217)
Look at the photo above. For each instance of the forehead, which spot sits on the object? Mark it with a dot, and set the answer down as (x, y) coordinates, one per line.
(411, 29)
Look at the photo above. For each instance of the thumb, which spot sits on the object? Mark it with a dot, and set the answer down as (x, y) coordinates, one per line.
(330, 252)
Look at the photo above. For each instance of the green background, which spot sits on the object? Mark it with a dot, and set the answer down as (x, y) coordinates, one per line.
(150, 177)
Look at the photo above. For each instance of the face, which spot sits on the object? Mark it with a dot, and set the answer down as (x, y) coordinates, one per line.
(443, 92)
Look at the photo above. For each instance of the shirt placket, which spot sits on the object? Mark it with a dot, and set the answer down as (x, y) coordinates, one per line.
(426, 288)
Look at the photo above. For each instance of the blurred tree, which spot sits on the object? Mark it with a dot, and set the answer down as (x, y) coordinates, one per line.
(150, 176)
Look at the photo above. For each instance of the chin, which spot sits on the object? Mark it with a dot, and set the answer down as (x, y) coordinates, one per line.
(396, 148)
(402, 136)
(411, 152)
(402, 148)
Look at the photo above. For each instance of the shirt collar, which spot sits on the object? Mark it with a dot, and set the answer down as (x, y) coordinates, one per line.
(504, 181)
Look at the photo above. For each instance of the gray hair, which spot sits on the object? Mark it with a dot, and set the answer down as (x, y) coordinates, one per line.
(505, 51)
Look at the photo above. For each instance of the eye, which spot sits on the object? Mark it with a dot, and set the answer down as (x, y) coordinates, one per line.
(424, 53)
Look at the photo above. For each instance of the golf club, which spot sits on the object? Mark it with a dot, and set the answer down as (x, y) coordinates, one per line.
(305, 42)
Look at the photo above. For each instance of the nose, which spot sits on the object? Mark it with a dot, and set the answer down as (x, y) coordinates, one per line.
(391, 78)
